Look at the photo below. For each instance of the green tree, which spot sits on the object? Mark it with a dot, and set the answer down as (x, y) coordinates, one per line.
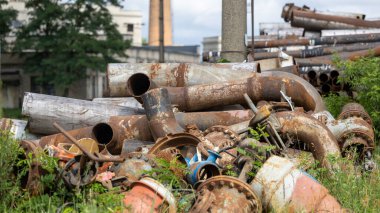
(6, 18)
(67, 39)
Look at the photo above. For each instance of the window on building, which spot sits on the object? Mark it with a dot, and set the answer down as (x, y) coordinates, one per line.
(129, 27)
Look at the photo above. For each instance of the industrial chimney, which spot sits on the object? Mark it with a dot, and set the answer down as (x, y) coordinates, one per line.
(154, 12)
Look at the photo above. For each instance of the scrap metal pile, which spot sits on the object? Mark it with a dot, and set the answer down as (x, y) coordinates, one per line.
(217, 121)
(311, 42)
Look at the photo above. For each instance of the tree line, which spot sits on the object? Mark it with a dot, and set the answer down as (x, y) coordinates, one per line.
(63, 39)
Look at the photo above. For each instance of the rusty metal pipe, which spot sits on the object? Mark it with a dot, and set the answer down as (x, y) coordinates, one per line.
(312, 132)
(326, 40)
(175, 74)
(323, 78)
(319, 51)
(264, 86)
(159, 113)
(135, 127)
(329, 59)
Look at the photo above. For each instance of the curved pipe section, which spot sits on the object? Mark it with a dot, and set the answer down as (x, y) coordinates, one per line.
(264, 86)
(312, 132)
(159, 113)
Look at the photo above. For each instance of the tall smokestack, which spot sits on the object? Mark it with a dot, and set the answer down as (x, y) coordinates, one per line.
(154, 12)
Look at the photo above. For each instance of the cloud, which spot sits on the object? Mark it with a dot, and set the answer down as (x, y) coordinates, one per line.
(195, 19)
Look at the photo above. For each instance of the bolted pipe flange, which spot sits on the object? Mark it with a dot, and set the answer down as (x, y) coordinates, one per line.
(226, 194)
(221, 137)
(354, 110)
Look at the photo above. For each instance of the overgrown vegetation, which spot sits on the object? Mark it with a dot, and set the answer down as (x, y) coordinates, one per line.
(355, 190)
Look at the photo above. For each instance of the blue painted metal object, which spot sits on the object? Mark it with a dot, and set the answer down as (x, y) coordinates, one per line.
(202, 170)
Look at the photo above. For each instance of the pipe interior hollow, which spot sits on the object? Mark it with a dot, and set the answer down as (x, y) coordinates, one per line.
(325, 88)
(103, 133)
(138, 84)
(323, 77)
(334, 74)
(207, 171)
(311, 74)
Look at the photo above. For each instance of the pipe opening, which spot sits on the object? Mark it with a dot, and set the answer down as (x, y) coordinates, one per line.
(325, 88)
(103, 133)
(323, 77)
(311, 74)
(207, 171)
(138, 84)
(334, 73)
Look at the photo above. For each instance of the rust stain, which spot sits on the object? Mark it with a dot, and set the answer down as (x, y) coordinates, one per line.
(181, 74)
(154, 68)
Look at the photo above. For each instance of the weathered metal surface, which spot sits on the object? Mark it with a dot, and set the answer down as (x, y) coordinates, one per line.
(311, 20)
(328, 59)
(333, 40)
(350, 127)
(159, 113)
(226, 194)
(137, 126)
(283, 188)
(354, 110)
(175, 74)
(319, 51)
(43, 110)
(134, 166)
(264, 86)
(201, 170)
(124, 101)
(311, 131)
(13, 126)
(147, 195)
(218, 138)
(32, 181)
(174, 140)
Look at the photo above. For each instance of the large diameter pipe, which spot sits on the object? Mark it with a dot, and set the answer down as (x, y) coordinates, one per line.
(283, 188)
(264, 86)
(159, 113)
(175, 74)
(43, 110)
(311, 131)
(135, 126)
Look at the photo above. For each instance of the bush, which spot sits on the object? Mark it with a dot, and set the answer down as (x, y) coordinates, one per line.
(363, 75)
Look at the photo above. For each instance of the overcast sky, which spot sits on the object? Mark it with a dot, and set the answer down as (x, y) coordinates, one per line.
(195, 19)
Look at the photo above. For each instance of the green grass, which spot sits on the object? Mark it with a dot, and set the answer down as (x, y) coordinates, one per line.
(12, 113)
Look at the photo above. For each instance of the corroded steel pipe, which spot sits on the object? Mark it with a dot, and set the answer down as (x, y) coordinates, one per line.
(328, 59)
(105, 134)
(314, 21)
(175, 74)
(263, 86)
(159, 113)
(136, 126)
(312, 132)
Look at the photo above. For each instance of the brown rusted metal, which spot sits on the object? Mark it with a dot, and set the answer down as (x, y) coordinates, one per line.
(333, 40)
(90, 155)
(264, 86)
(32, 182)
(134, 166)
(354, 110)
(136, 126)
(328, 59)
(311, 131)
(218, 138)
(174, 140)
(226, 194)
(159, 113)
(313, 21)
